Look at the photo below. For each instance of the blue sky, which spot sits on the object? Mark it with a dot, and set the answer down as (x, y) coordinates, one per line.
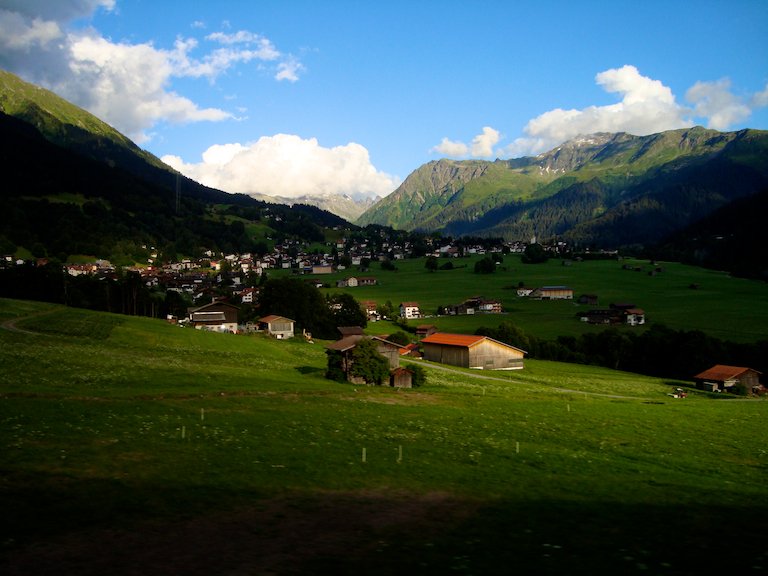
(307, 97)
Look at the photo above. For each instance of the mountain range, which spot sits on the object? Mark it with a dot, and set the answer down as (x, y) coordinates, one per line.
(77, 186)
(608, 190)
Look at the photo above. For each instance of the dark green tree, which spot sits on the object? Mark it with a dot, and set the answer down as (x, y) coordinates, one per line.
(399, 337)
(302, 302)
(485, 266)
(431, 263)
(368, 364)
(419, 377)
(534, 254)
(346, 311)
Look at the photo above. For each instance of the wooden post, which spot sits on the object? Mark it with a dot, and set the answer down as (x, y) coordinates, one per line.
(517, 447)
(202, 414)
(399, 453)
(364, 455)
(183, 432)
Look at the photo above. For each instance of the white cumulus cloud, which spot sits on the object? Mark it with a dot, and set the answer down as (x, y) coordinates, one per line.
(451, 148)
(288, 166)
(715, 101)
(646, 106)
(482, 144)
(480, 147)
(128, 85)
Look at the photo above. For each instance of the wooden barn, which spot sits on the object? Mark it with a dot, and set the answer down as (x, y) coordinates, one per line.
(725, 378)
(471, 351)
(552, 293)
(398, 377)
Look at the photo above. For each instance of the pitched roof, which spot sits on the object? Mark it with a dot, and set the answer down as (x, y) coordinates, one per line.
(346, 343)
(453, 339)
(464, 340)
(722, 372)
(273, 317)
(350, 330)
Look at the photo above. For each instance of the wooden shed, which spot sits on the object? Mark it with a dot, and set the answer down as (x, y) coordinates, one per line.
(723, 377)
(471, 351)
(399, 377)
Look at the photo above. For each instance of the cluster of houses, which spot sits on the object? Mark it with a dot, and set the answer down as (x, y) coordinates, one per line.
(618, 313)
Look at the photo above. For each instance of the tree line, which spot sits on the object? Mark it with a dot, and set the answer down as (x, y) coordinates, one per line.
(659, 351)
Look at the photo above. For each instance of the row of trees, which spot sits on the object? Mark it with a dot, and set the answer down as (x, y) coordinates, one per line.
(659, 351)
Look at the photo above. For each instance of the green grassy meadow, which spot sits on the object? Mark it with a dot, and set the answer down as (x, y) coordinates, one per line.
(722, 306)
(129, 444)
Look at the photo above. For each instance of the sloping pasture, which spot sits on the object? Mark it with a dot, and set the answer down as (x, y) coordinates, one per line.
(132, 446)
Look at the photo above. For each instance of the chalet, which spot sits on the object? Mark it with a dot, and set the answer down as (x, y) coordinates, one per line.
(367, 281)
(347, 283)
(216, 316)
(552, 293)
(471, 351)
(370, 309)
(277, 326)
(476, 304)
(322, 269)
(409, 310)
(247, 295)
(729, 378)
(523, 291)
(634, 316)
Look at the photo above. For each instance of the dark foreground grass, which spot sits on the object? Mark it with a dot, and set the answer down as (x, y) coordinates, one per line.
(136, 447)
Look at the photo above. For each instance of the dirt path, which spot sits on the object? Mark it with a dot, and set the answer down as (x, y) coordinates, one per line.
(12, 323)
(482, 376)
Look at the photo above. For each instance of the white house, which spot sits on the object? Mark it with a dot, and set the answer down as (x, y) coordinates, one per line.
(409, 310)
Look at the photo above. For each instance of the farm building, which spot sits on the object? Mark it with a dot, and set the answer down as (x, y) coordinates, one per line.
(476, 304)
(424, 330)
(398, 377)
(471, 351)
(552, 293)
(216, 316)
(723, 377)
(631, 316)
(277, 326)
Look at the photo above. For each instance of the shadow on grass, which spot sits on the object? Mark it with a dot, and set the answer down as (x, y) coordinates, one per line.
(105, 526)
(310, 370)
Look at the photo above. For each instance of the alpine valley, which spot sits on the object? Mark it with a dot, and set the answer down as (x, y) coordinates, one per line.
(74, 185)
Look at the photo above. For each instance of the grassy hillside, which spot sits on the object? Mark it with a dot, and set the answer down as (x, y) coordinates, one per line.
(722, 306)
(133, 445)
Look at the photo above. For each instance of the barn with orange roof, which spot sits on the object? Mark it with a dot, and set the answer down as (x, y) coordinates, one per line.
(472, 351)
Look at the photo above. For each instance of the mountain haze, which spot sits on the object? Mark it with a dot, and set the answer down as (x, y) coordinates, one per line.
(603, 189)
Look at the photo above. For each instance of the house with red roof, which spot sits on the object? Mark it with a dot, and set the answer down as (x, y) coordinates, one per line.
(472, 351)
(723, 377)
